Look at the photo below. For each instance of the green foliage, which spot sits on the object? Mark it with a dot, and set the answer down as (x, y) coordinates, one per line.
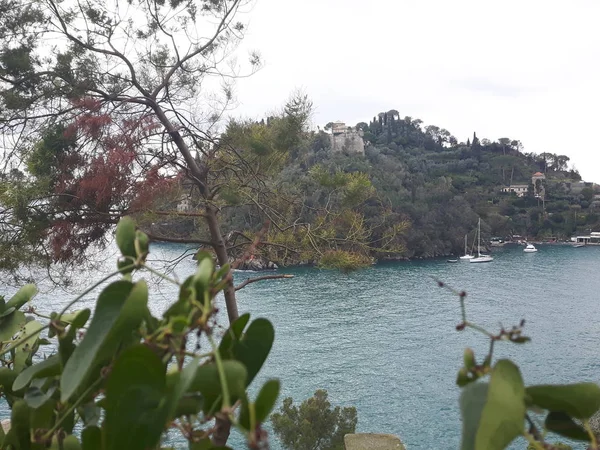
(435, 187)
(135, 370)
(497, 411)
(555, 446)
(493, 413)
(342, 260)
(313, 425)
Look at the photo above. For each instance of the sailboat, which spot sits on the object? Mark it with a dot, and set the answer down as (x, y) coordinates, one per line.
(466, 255)
(480, 258)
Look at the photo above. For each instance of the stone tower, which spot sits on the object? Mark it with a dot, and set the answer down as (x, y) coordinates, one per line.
(346, 139)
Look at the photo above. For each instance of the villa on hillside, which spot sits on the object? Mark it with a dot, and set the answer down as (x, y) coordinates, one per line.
(541, 192)
(519, 189)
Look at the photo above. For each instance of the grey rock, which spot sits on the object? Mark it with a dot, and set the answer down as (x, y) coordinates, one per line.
(371, 441)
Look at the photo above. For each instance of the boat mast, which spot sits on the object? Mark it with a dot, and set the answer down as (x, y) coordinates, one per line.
(479, 238)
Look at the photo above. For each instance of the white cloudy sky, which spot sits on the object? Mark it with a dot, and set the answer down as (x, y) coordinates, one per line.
(524, 69)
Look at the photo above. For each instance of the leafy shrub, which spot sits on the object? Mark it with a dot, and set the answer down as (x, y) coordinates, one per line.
(343, 260)
(132, 376)
(313, 425)
(496, 405)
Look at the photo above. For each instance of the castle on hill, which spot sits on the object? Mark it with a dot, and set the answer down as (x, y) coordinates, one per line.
(346, 139)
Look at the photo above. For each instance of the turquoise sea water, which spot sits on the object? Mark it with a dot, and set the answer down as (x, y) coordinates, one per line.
(383, 339)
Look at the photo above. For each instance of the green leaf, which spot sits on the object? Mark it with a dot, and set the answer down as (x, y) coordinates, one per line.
(22, 296)
(208, 383)
(266, 399)
(71, 443)
(254, 346)
(182, 306)
(580, 400)
(26, 340)
(77, 319)
(125, 236)
(206, 267)
(561, 423)
(188, 405)
(7, 378)
(119, 311)
(136, 407)
(183, 381)
(19, 435)
(91, 438)
(69, 422)
(233, 334)
(494, 414)
(8, 311)
(503, 416)
(47, 368)
(472, 402)
(43, 416)
(36, 397)
(204, 444)
(10, 326)
(66, 347)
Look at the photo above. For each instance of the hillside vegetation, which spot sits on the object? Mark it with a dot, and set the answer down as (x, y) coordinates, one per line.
(414, 193)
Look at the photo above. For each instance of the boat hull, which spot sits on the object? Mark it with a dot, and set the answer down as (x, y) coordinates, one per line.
(481, 259)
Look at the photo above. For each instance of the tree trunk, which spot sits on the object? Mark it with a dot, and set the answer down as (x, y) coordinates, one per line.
(221, 250)
(199, 178)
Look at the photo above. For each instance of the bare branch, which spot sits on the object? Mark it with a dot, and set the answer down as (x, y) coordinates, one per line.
(154, 237)
(264, 277)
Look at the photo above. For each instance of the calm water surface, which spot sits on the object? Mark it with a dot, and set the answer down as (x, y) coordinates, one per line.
(383, 339)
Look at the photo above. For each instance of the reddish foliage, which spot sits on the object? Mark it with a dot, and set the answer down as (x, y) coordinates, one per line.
(103, 178)
(152, 187)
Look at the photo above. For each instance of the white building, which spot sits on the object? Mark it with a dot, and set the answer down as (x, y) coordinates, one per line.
(519, 189)
(592, 239)
(185, 204)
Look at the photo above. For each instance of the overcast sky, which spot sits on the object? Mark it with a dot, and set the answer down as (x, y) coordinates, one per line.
(526, 69)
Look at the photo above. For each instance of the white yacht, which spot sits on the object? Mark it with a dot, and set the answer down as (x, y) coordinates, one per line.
(530, 249)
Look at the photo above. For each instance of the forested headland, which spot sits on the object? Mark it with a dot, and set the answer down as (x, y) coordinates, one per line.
(415, 192)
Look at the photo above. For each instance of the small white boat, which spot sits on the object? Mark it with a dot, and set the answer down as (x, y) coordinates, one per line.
(578, 245)
(480, 258)
(530, 249)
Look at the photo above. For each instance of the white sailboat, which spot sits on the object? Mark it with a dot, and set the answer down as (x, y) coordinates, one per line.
(480, 258)
(466, 256)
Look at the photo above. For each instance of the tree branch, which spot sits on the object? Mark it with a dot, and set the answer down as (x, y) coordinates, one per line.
(265, 277)
(154, 237)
